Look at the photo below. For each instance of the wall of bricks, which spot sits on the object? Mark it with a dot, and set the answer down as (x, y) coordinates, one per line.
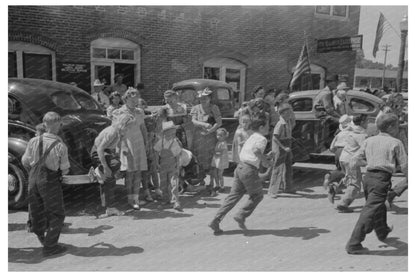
(176, 40)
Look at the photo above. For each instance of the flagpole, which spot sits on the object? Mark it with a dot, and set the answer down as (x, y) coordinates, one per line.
(307, 50)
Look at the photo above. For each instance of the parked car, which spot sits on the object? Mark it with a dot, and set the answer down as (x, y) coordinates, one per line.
(308, 132)
(82, 118)
(223, 95)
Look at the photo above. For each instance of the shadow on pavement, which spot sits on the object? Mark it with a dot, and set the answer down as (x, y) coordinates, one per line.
(33, 255)
(398, 210)
(90, 231)
(401, 248)
(16, 227)
(305, 233)
(157, 214)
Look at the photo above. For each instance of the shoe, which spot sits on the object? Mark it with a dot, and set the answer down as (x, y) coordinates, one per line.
(136, 206)
(215, 226)
(241, 222)
(113, 211)
(384, 237)
(331, 194)
(357, 250)
(344, 209)
(177, 207)
(148, 196)
(274, 196)
(58, 249)
(142, 202)
(390, 197)
(326, 181)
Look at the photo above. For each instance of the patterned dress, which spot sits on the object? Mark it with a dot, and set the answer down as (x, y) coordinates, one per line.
(132, 150)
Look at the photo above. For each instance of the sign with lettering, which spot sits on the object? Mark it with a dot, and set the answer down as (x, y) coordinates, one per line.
(339, 44)
(74, 67)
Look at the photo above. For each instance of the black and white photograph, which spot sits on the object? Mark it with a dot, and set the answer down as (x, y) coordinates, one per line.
(207, 137)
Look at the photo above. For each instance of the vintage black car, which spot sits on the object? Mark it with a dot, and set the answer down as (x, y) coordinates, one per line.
(82, 117)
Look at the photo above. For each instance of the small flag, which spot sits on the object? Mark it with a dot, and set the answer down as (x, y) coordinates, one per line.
(379, 32)
(302, 66)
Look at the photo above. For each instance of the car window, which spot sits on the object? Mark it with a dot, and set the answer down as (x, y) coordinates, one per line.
(302, 104)
(65, 101)
(361, 106)
(223, 94)
(86, 101)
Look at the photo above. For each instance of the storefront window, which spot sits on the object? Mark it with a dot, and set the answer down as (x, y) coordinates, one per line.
(42, 63)
(12, 64)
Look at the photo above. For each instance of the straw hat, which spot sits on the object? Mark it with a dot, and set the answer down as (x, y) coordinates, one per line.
(97, 83)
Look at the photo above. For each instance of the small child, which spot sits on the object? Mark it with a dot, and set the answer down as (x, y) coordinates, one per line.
(240, 137)
(340, 139)
(220, 159)
(169, 149)
(246, 176)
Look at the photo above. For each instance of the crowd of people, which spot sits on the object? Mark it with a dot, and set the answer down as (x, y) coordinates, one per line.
(153, 150)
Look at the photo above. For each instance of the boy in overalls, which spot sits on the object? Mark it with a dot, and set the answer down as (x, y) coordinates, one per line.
(47, 158)
(169, 150)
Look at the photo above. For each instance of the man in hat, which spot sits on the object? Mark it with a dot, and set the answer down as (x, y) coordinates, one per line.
(99, 95)
(118, 85)
(325, 109)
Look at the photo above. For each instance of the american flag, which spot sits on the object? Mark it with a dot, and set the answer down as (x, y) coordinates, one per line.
(381, 28)
(302, 66)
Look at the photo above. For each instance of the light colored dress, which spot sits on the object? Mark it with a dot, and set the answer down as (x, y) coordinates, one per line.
(220, 161)
(132, 149)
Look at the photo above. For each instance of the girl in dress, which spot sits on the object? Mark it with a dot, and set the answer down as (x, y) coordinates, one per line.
(220, 159)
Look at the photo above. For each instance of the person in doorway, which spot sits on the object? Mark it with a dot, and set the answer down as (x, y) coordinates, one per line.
(118, 85)
(246, 177)
(383, 154)
(99, 95)
(46, 157)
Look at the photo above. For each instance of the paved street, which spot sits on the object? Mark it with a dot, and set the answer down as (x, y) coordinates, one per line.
(296, 232)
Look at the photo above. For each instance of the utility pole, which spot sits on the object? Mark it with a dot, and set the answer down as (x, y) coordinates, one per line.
(385, 49)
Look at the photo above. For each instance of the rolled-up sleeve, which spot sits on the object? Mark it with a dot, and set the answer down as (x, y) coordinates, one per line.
(27, 157)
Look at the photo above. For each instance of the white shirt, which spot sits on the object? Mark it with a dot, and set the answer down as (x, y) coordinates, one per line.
(255, 142)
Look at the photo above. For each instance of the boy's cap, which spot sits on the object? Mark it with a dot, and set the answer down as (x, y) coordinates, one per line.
(168, 125)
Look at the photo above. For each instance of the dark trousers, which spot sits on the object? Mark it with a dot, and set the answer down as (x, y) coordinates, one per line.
(107, 189)
(374, 213)
(246, 179)
(46, 208)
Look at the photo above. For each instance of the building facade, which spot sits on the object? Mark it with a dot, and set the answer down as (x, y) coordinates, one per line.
(160, 45)
(372, 78)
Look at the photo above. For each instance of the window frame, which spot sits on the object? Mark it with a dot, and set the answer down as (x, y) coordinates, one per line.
(21, 48)
(291, 101)
(331, 13)
(354, 98)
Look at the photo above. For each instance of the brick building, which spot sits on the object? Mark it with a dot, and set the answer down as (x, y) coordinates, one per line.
(161, 45)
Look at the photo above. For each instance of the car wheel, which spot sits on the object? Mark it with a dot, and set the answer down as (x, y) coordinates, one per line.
(17, 187)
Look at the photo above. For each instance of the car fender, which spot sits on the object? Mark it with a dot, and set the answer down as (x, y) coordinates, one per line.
(16, 147)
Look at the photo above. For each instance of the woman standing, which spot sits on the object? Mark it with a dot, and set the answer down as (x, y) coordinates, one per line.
(206, 118)
(133, 146)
